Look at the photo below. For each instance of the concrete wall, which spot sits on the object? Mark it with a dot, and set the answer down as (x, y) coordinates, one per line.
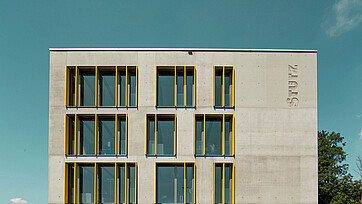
(275, 143)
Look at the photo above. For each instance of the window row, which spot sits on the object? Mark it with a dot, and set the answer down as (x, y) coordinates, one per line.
(100, 134)
(117, 86)
(117, 183)
(101, 86)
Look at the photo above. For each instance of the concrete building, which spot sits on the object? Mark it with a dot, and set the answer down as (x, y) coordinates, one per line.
(134, 125)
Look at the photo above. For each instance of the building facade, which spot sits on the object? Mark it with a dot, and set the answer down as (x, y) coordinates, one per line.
(182, 126)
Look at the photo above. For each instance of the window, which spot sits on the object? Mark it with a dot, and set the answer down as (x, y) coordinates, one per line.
(95, 134)
(224, 183)
(175, 86)
(101, 86)
(214, 135)
(100, 182)
(224, 86)
(160, 130)
(175, 183)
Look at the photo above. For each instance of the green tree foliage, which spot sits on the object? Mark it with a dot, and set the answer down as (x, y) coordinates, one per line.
(335, 184)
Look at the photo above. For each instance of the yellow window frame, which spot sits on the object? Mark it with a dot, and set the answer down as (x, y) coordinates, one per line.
(146, 133)
(184, 165)
(223, 182)
(223, 116)
(223, 86)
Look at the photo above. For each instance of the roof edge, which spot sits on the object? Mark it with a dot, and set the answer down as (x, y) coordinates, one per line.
(179, 50)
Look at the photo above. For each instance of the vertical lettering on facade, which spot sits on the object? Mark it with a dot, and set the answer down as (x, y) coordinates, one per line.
(292, 99)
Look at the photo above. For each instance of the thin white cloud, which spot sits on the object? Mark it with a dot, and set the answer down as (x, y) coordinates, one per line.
(360, 134)
(18, 201)
(348, 16)
(359, 115)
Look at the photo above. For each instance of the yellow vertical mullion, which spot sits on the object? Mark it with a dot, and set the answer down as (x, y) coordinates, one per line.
(154, 187)
(233, 184)
(233, 87)
(204, 146)
(155, 134)
(66, 134)
(116, 134)
(233, 136)
(125, 183)
(223, 86)
(184, 182)
(194, 182)
(76, 100)
(223, 183)
(126, 85)
(155, 85)
(175, 135)
(223, 134)
(116, 94)
(194, 134)
(66, 85)
(214, 87)
(66, 183)
(76, 134)
(184, 85)
(213, 182)
(194, 94)
(136, 85)
(95, 183)
(135, 182)
(96, 134)
(115, 182)
(96, 87)
(75, 176)
(126, 145)
(146, 129)
(175, 89)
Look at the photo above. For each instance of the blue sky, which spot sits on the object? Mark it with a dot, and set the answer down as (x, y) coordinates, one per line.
(29, 28)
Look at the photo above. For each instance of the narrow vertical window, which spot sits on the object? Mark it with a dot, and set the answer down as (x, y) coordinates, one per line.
(175, 86)
(175, 183)
(71, 134)
(86, 132)
(69, 183)
(127, 86)
(106, 129)
(122, 134)
(107, 83)
(127, 183)
(132, 86)
(224, 183)
(161, 135)
(223, 86)
(106, 181)
(214, 135)
(122, 85)
(87, 86)
(86, 183)
(70, 86)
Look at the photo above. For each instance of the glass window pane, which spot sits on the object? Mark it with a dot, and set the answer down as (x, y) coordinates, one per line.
(189, 184)
(228, 183)
(218, 88)
(71, 131)
(180, 88)
(121, 182)
(122, 136)
(165, 184)
(165, 88)
(70, 183)
(132, 184)
(228, 88)
(71, 87)
(213, 137)
(132, 87)
(106, 136)
(108, 86)
(86, 184)
(227, 136)
(122, 87)
(165, 136)
(86, 136)
(179, 184)
(87, 87)
(199, 136)
(190, 88)
(106, 184)
(151, 136)
(218, 184)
